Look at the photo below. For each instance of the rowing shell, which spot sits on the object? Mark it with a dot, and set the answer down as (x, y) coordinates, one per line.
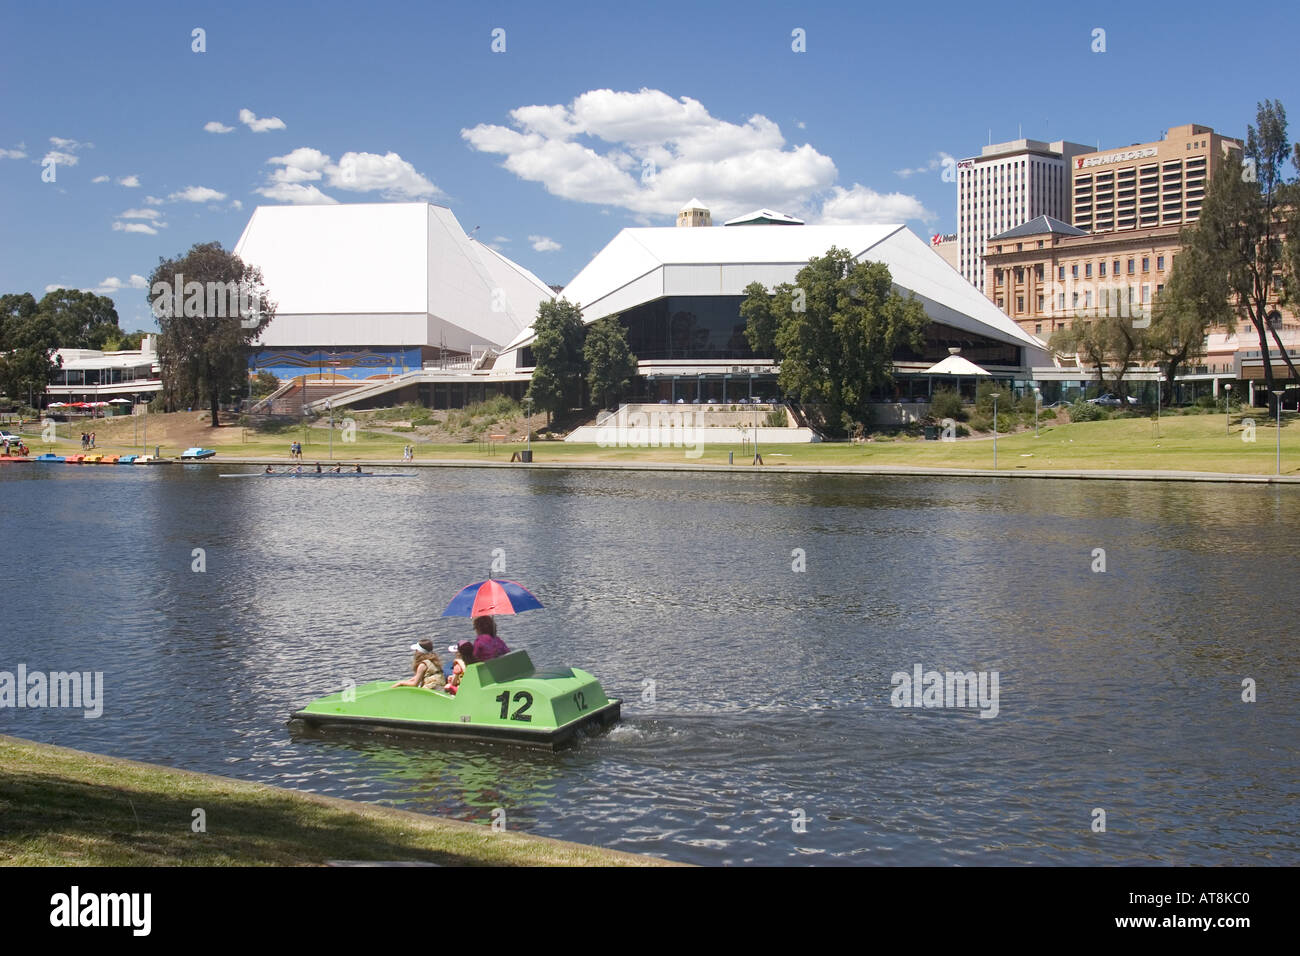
(323, 474)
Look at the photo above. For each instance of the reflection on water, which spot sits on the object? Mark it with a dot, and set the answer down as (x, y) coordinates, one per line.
(770, 687)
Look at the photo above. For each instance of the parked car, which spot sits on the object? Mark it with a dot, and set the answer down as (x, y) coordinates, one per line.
(1058, 404)
(10, 437)
(1111, 400)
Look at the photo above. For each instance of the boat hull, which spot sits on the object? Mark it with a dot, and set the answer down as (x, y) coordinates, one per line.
(505, 699)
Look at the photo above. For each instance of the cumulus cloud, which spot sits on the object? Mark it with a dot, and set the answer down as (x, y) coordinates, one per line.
(59, 157)
(296, 193)
(130, 182)
(249, 119)
(389, 175)
(236, 204)
(12, 154)
(153, 214)
(114, 284)
(142, 227)
(216, 127)
(861, 204)
(935, 164)
(647, 153)
(100, 179)
(64, 151)
(153, 201)
(196, 194)
(544, 244)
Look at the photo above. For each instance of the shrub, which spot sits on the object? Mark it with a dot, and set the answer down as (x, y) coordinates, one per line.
(1081, 411)
(946, 403)
(777, 419)
(1208, 401)
(984, 393)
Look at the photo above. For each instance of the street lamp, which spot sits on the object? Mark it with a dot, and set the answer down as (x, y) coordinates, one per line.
(528, 426)
(1277, 394)
(1227, 408)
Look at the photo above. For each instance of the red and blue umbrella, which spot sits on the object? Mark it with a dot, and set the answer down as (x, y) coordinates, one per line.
(493, 596)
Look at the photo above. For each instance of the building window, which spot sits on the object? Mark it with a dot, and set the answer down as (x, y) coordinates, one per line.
(1146, 293)
(1038, 328)
(998, 301)
(1074, 272)
(1160, 263)
(1146, 264)
(1020, 304)
(1101, 269)
(1115, 267)
(1040, 302)
(1087, 271)
(1060, 300)
(1087, 300)
(1038, 272)
(1060, 273)
(1130, 266)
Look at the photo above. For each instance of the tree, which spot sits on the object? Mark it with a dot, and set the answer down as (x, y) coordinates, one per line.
(210, 306)
(80, 320)
(557, 357)
(1247, 211)
(610, 363)
(1194, 300)
(27, 346)
(834, 332)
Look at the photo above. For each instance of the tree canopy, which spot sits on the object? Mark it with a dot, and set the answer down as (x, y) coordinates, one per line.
(610, 363)
(834, 330)
(557, 356)
(197, 299)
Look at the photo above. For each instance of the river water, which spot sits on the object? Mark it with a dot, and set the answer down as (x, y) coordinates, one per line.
(758, 724)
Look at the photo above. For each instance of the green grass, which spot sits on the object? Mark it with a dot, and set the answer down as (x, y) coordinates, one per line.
(62, 807)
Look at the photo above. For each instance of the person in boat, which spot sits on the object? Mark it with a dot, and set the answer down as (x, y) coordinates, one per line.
(319, 470)
(486, 643)
(357, 470)
(269, 470)
(454, 671)
(426, 667)
(298, 470)
(337, 470)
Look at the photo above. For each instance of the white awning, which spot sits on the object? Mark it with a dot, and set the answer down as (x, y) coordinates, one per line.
(955, 365)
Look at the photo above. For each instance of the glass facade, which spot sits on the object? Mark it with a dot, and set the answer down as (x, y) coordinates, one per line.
(688, 327)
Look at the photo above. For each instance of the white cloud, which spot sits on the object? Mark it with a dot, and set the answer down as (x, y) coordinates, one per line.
(196, 194)
(64, 143)
(544, 244)
(296, 193)
(100, 179)
(389, 175)
(500, 238)
(54, 287)
(216, 127)
(861, 204)
(935, 164)
(648, 153)
(59, 158)
(153, 201)
(114, 284)
(12, 154)
(131, 182)
(249, 119)
(143, 227)
(236, 204)
(140, 214)
(64, 151)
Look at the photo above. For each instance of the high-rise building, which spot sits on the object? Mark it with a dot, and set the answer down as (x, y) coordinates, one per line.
(1148, 184)
(1006, 185)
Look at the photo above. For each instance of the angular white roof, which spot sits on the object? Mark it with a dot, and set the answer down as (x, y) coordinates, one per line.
(694, 204)
(385, 274)
(643, 264)
(756, 217)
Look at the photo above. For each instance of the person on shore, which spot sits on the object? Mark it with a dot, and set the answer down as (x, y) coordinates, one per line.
(486, 643)
(426, 668)
(92, 439)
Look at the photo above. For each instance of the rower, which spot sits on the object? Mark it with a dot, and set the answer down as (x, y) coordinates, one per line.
(338, 469)
(318, 468)
(269, 470)
(358, 469)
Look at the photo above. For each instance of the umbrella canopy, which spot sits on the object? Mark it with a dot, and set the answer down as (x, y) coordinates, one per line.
(955, 365)
(491, 597)
(119, 401)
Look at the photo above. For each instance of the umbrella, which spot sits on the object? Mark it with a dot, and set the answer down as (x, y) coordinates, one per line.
(119, 401)
(491, 597)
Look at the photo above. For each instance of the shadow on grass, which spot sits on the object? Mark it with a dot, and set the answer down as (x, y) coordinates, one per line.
(46, 818)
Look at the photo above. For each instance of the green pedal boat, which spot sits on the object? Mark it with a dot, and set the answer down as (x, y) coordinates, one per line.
(504, 699)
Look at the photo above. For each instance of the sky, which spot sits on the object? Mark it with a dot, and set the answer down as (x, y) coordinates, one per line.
(126, 137)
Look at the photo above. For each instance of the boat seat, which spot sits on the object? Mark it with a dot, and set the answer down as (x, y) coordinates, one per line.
(507, 667)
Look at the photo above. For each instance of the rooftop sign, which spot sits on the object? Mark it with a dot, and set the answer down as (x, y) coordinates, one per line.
(1085, 161)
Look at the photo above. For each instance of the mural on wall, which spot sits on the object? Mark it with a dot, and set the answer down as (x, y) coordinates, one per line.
(349, 363)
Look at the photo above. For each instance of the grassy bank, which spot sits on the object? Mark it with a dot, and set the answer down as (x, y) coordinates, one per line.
(66, 807)
(1180, 443)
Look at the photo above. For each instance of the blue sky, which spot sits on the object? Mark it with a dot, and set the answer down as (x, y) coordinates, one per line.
(595, 116)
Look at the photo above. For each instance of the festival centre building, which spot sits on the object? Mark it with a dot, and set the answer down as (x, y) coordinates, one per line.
(389, 294)
(678, 291)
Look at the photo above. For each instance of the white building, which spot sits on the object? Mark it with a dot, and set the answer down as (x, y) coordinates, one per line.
(678, 294)
(367, 290)
(1006, 185)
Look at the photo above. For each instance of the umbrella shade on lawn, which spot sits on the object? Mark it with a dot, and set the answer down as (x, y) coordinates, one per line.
(491, 597)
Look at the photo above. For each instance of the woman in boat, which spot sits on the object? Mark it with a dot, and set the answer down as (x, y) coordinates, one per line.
(426, 667)
(486, 643)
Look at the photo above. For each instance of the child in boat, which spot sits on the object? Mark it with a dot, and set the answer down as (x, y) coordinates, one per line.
(464, 657)
(426, 667)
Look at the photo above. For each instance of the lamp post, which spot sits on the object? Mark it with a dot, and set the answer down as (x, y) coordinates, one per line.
(528, 426)
(1277, 395)
(1227, 408)
(1038, 400)
(995, 431)
(329, 407)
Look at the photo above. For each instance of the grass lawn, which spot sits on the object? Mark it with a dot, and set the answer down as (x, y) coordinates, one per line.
(1182, 443)
(63, 807)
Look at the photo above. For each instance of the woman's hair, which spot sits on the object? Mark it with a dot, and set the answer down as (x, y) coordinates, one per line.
(427, 656)
(466, 651)
(485, 624)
